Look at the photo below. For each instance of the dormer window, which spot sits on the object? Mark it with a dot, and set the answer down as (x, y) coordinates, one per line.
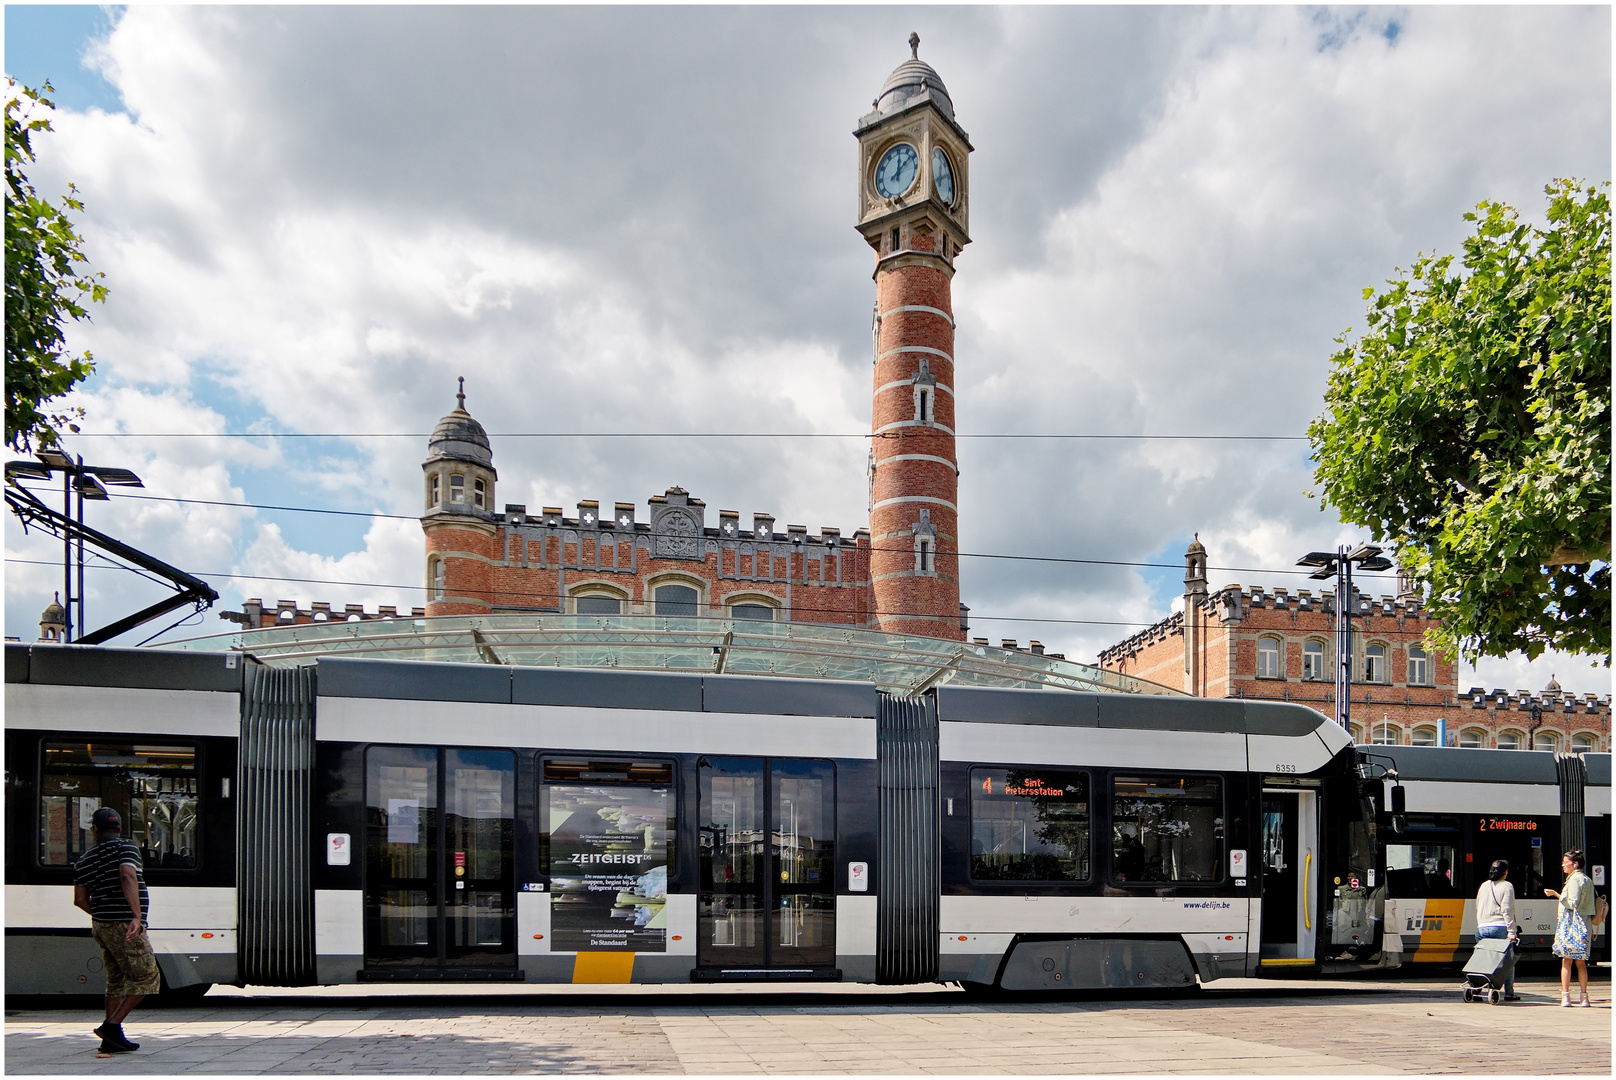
(479, 492)
(457, 488)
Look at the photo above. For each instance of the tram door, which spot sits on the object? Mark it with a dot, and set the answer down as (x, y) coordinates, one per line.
(768, 859)
(438, 881)
(1290, 870)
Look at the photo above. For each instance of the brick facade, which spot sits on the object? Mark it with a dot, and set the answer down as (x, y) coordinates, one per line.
(1213, 647)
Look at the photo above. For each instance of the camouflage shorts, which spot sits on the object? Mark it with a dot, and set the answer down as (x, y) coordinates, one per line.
(131, 967)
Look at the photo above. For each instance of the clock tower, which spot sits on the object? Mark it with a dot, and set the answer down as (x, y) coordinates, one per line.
(913, 209)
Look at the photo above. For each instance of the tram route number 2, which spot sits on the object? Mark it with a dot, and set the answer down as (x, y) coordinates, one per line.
(1493, 824)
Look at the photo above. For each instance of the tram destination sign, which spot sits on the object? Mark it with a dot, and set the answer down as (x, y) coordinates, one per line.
(1498, 824)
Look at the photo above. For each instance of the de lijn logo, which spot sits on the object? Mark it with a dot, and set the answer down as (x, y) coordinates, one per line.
(1415, 922)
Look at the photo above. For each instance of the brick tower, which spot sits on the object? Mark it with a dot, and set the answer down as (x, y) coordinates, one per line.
(914, 201)
(459, 521)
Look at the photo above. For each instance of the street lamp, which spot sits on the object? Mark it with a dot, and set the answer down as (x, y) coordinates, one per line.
(89, 482)
(1338, 564)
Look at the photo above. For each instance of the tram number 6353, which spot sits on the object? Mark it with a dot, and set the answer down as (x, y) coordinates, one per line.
(1284, 768)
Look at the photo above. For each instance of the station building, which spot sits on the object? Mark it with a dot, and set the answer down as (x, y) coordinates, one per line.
(1250, 641)
(899, 574)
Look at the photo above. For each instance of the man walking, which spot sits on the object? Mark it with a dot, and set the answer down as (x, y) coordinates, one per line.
(108, 884)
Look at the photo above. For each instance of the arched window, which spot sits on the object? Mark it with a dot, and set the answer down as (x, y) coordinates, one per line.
(1423, 736)
(1268, 658)
(478, 493)
(1385, 735)
(678, 601)
(1419, 667)
(287, 615)
(755, 612)
(1546, 740)
(599, 604)
(1509, 740)
(1357, 734)
(1374, 668)
(432, 490)
(437, 579)
(1313, 660)
(1472, 739)
(457, 488)
(1583, 743)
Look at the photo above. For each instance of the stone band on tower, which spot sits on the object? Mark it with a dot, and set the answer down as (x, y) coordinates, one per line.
(913, 210)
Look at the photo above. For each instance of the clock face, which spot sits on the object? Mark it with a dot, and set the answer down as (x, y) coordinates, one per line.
(942, 176)
(896, 171)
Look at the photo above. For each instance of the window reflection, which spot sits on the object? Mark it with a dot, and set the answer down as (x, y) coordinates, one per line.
(1029, 825)
(1167, 828)
(153, 788)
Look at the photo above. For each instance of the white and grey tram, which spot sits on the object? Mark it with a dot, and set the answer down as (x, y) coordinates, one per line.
(359, 820)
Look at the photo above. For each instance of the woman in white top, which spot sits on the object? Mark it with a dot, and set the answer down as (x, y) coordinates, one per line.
(1495, 913)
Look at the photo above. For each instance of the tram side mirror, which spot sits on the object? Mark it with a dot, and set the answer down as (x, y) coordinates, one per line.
(1399, 808)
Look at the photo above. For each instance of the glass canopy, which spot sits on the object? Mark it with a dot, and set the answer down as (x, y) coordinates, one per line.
(895, 662)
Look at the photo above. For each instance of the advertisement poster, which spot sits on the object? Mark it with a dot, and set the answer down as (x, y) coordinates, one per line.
(608, 866)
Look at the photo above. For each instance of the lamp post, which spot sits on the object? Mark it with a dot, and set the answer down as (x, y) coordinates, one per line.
(87, 482)
(1338, 564)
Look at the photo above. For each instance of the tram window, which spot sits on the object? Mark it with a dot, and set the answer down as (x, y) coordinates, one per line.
(606, 844)
(153, 788)
(1029, 825)
(1167, 828)
(1420, 871)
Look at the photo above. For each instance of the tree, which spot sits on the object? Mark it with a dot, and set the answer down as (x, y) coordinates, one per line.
(47, 283)
(1470, 427)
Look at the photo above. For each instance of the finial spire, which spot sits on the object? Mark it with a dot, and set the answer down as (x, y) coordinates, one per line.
(460, 398)
(914, 46)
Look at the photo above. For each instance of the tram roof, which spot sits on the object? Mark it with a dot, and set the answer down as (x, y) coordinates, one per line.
(426, 680)
(1500, 766)
(898, 663)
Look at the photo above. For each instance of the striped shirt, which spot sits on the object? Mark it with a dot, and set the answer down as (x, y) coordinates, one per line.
(100, 871)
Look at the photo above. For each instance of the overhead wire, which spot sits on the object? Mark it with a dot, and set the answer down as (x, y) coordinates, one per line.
(962, 554)
(670, 435)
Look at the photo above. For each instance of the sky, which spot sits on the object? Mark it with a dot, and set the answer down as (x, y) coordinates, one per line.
(617, 220)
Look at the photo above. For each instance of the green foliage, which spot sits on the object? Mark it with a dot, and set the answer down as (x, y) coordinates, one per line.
(1470, 427)
(47, 283)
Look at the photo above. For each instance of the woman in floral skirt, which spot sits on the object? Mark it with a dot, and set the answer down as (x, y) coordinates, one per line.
(1573, 935)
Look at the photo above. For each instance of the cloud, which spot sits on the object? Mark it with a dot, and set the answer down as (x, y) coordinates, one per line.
(616, 220)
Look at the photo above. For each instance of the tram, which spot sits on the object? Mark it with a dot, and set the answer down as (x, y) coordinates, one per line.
(1465, 808)
(369, 820)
